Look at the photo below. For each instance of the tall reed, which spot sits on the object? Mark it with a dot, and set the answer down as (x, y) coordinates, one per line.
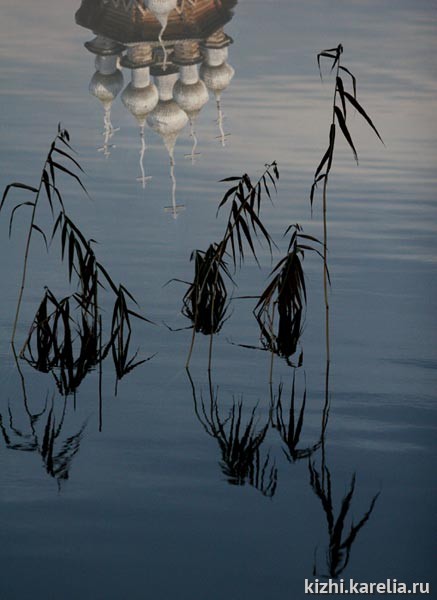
(341, 99)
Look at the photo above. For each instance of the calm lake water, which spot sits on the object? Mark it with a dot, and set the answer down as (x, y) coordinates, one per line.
(159, 503)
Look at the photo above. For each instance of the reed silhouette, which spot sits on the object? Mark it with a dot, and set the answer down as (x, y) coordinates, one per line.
(210, 276)
(205, 302)
(43, 435)
(240, 440)
(340, 543)
(341, 99)
(289, 424)
(284, 299)
(66, 335)
(60, 343)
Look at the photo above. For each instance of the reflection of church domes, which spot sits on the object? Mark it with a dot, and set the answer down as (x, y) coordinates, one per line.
(167, 119)
(189, 91)
(217, 73)
(217, 78)
(140, 101)
(140, 96)
(105, 85)
(191, 97)
(107, 81)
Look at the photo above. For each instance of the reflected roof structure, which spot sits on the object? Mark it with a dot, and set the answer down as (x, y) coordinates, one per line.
(176, 51)
(132, 21)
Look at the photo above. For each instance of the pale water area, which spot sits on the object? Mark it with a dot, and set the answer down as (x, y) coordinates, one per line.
(163, 502)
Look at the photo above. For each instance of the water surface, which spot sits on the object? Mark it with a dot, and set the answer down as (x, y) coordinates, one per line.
(149, 507)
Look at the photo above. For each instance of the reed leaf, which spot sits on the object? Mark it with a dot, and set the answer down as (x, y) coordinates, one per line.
(13, 213)
(39, 230)
(21, 186)
(362, 112)
(354, 81)
(342, 122)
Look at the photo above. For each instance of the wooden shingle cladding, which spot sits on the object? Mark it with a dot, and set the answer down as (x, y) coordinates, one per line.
(197, 22)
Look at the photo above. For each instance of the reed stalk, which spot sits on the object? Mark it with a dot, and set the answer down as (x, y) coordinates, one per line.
(341, 98)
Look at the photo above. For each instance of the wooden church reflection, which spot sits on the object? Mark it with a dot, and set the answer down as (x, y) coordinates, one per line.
(176, 52)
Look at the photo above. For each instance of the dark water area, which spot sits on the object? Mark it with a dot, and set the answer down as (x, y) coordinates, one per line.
(223, 484)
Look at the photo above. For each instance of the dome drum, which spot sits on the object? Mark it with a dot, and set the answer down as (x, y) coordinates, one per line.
(106, 65)
(187, 52)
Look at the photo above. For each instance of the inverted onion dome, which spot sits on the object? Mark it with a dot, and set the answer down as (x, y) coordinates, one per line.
(190, 92)
(105, 85)
(217, 78)
(140, 96)
(107, 81)
(217, 75)
(167, 119)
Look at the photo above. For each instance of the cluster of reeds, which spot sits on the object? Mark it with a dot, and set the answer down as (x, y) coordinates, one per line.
(206, 301)
(66, 335)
